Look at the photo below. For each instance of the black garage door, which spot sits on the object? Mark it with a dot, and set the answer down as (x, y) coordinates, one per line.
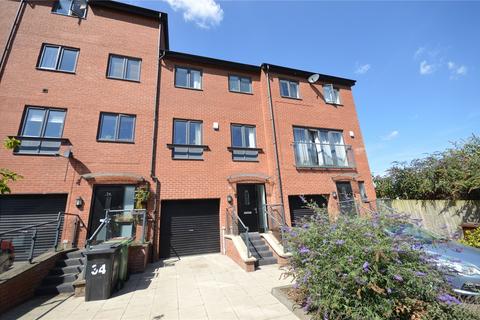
(189, 227)
(17, 211)
(297, 205)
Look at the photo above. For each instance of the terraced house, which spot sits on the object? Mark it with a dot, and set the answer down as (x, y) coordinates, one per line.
(227, 151)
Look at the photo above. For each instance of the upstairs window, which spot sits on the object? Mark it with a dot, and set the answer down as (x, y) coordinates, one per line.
(76, 8)
(58, 58)
(243, 143)
(116, 127)
(188, 78)
(363, 191)
(41, 131)
(187, 139)
(240, 84)
(289, 89)
(124, 68)
(331, 94)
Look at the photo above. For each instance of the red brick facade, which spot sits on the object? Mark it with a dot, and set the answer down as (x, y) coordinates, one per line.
(88, 92)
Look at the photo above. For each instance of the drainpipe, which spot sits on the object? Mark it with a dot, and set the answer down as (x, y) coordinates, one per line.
(275, 144)
(161, 54)
(11, 36)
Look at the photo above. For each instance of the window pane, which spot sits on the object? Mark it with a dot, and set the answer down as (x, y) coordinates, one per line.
(33, 123)
(181, 76)
(250, 137)
(133, 69)
(195, 133)
(54, 127)
(108, 127)
(180, 132)
(245, 85)
(327, 92)
(116, 67)
(237, 136)
(234, 84)
(284, 88)
(196, 79)
(336, 96)
(63, 6)
(77, 8)
(49, 57)
(293, 89)
(125, 131)
(68, 60)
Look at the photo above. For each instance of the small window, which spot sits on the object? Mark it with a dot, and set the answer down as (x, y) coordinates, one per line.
(289, 89)
(77, 8)
(363, 191)
(58, 58)
(331, 94)
(41, 131)
(125, 68)
(188, 78)
(187, 139)
(240, 84)
(244, 143)
(116, 127)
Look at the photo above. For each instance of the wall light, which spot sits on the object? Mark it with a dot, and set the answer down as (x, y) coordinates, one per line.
(79, 202)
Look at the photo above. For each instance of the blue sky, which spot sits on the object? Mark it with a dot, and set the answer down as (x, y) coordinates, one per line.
(416, 63)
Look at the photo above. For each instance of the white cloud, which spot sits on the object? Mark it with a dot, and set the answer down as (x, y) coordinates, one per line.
(363, 68)
(392, 135)
(204, 13)
(456, 70)
(426, 68)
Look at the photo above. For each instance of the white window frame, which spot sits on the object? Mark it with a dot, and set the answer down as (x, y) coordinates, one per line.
(70, 13)
(250, 89)
(190, 84)
(336, 94)
(289, 93)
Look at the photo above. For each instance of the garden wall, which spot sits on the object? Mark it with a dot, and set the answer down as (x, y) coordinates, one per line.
(440, 216)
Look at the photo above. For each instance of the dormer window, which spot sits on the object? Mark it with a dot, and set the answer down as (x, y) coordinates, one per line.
(74, 8)
(331, 94)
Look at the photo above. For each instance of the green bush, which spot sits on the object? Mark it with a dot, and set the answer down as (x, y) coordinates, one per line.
(351, 269)
(472, 238)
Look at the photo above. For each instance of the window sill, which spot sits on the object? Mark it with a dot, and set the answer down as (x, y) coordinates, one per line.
(115, 141)
(236, 160)
(188, 88)
(121, 79)
(335, 104)
(186, 159)
(241, 92)
(260, 150)
(293, 98)
(314, 168)
(173, 145)
(69, 15)
(55, 70)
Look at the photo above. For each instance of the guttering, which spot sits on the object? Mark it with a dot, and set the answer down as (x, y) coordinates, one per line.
(153, 162)
(13, 29)
(275, 144)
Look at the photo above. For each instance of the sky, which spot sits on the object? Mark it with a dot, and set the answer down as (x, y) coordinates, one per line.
(417, 64)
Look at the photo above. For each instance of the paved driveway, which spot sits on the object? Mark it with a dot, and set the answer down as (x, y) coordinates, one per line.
(197, 287)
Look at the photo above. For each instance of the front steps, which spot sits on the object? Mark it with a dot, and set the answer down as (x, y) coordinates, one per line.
(260, 250)
(60, 279)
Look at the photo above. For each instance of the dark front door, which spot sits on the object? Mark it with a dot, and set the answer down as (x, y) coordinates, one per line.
(105, 197)
(247, 202)
(346, 199)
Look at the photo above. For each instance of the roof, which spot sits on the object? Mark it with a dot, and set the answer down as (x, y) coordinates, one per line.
(255, 68)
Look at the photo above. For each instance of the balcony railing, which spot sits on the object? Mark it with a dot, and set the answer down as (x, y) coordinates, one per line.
(323, 155)
(40, 145)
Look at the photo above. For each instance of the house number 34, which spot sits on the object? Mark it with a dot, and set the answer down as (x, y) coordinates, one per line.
(96, 270)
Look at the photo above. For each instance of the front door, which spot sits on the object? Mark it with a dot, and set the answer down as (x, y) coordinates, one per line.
(248, 206)
(112, 197)
(346, 199)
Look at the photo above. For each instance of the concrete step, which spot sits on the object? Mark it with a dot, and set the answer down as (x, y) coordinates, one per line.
(257, 242)
(59, 279)
(66, 269)
(260, 248)
(54, 289)
(262, 254)
(78, 254)
(70, 262)
(267, 261)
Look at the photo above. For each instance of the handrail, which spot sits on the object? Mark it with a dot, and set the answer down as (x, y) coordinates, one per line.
(280, 221)
(35, 231)
(246, 233)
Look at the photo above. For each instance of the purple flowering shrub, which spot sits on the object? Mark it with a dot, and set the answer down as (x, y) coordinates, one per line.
(352, 269)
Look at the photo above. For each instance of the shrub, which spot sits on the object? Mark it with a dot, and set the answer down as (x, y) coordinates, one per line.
(472, 238)
(351, 269)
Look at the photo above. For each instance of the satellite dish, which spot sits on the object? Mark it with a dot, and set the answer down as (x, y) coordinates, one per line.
(313, 78)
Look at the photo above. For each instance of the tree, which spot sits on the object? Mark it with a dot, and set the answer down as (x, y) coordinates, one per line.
(6, 175)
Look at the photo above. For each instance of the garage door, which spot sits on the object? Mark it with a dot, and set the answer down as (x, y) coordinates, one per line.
(17, 211)
(189, 227)
(297, 205)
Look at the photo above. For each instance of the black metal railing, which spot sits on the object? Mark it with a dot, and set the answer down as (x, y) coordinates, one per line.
(120, 223)
(34, 231)
(323, 155)
(276, 221)
(40, 145)
(236, 227)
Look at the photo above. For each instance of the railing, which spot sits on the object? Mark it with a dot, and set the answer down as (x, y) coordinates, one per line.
(39, 145)
(34, 229)
(323, 155)
(236, 227)
(276, 221)
(120, 223)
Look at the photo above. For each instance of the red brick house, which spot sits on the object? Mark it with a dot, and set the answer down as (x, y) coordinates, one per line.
(105, 111)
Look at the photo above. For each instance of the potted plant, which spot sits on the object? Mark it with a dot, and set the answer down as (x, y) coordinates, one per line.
(142, 194)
